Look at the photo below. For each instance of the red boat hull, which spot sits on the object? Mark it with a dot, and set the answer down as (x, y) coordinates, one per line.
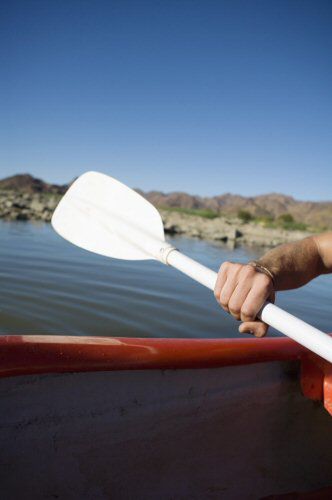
(147, 418)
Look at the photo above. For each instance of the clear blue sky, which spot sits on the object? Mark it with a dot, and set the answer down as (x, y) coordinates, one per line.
(200, 96)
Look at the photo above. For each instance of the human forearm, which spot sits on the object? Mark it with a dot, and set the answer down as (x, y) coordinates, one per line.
(295, 264)
(242, 291)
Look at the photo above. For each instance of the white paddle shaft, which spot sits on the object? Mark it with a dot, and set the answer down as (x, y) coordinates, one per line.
(298, 330)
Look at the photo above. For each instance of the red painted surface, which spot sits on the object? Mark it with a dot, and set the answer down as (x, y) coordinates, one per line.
(32, 354)
(316, 379)
(45, 353)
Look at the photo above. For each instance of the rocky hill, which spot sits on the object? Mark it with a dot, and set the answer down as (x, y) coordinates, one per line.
(26, 183)
(273, 205)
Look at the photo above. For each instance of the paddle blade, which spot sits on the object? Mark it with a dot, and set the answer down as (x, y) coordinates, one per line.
(102, 215)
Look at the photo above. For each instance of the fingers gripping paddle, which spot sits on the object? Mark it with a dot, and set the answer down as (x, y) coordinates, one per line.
(102, 215)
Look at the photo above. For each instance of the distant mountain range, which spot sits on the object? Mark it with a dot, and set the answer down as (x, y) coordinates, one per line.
(317, 214)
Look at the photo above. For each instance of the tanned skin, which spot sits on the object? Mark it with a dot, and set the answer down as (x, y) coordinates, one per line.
(242, 291)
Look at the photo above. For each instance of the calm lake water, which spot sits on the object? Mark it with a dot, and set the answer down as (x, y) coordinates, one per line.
(49, 286)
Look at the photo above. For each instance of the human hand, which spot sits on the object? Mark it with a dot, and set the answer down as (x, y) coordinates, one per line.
(242, 291)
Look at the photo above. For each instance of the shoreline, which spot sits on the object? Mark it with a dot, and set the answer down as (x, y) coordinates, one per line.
(226, 229)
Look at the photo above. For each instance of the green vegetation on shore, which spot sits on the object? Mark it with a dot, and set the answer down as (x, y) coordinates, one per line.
(205, 213)
(285, 221)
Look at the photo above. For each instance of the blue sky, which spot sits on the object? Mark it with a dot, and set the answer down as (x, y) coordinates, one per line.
(180, 95)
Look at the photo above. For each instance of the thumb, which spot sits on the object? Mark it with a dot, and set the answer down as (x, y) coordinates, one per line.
(256, 328)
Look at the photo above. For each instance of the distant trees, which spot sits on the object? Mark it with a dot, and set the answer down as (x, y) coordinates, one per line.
(245, 216)
(286, 219)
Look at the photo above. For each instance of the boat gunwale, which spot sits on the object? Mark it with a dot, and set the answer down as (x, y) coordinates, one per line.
(51, 354)
(37, 354)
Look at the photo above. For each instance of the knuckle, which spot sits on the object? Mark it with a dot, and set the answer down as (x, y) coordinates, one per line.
(248, 270)
(225, 308)
(264, 280)
(248, 312)
(234, 308)
(223, 301)
(224, 266)
(235, 312)
(230, 267)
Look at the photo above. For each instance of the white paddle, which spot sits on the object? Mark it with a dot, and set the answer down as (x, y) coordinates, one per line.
(102, 215)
